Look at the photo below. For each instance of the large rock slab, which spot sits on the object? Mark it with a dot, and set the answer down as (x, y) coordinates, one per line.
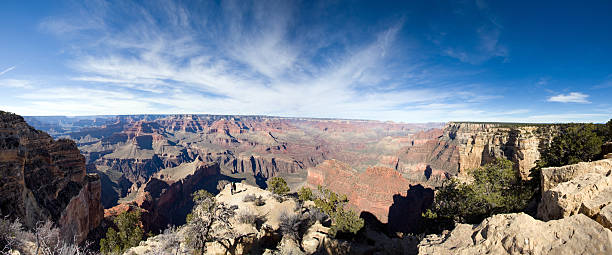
(551, 176)
(522, 234)
(567, 198)
(584, 188)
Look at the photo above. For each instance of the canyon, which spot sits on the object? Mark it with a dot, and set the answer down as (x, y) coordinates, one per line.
(129, 153)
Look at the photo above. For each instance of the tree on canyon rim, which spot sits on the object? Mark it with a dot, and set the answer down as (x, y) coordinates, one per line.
(210, 222)
(576, 143)
(128, 233)
(496, 188)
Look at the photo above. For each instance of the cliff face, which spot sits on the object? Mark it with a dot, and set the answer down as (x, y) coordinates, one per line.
(381, 191)
(165, 199)
(479, 144)
(44, 179)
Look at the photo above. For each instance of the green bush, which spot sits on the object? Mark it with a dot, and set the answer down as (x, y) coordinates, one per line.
(496, 188)
(305, 194)
(576, 143)
(278, 185)
(343, 220)
(128, 234)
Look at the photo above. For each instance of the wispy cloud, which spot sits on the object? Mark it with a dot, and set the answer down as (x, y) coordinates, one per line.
(572, 97)
(238, 58)
(7, 70)
(15, 83)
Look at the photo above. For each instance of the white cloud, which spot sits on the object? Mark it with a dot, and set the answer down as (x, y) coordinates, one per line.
(572, 97)
(15, 83)
(7, 70)
(246, 61)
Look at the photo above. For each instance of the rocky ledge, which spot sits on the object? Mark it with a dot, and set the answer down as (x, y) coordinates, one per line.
(584, 188)
(42, 179)
(522, 234)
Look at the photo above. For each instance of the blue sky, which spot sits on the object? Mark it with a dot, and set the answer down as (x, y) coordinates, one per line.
(409, 61)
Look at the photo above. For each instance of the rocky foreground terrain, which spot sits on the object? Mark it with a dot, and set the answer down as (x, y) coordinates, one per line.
(576, 213)
(265, 236)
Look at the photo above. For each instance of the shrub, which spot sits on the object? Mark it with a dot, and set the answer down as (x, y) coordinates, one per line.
(209, 222)
(246, 216)
(317, 215)
(249, 198)
(496, 189)
(343, 220)
(289, 225)
(305, 194)
(128, 233)
(169, 242)
(278, 185)
(259, 201)
(200, 196)
(10, 234)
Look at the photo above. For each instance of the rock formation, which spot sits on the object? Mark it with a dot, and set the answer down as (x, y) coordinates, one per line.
(376, 190)
(478, 144)
(42, 179)
(166, 198)
(522, 234)
(576, 205)
(583, 188)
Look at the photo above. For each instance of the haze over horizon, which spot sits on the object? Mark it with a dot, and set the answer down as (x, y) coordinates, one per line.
(419, 61)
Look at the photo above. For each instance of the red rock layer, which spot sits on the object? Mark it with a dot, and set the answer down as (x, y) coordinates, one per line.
(372, 191)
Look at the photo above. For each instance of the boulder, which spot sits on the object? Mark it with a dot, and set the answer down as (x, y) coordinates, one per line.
(522, 234)
(584, 188)
(567, 198)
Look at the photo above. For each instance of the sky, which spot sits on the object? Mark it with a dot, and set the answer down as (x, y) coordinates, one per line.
(403, 61)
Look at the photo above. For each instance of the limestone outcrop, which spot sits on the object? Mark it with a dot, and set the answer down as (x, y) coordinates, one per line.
(522, 234)
(583, 188)
(478, 144)
(45, 179)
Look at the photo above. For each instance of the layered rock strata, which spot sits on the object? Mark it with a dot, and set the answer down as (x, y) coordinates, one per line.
(42, 179)
(379, 190)
(478, 144)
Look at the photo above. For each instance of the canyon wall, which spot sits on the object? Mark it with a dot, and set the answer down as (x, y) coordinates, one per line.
(478, 143)
(381, 191)
(43, 179)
